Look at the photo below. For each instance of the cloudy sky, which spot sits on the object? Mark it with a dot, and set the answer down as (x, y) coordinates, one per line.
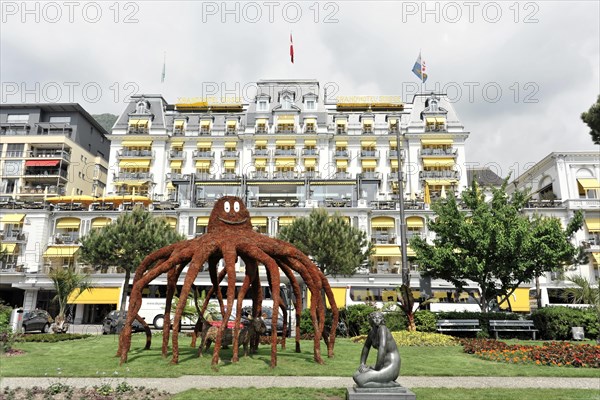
(519, 73)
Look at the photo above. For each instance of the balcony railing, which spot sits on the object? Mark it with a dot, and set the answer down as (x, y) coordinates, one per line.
(544, 203)
(229, 176)
(341, 154)
(338, 203)
(14, 236)
(311, 175)
(230, 154)
(438, 152)
(262, 129)
(383, 205)
(369, 154)
(49, 154)
(342, 175)
(176, 154)
(231, 131)
(14, 154)
(285, 152)
(260, 152)
(392, 177)
(66, 238)
(285, 175)
(310, 152)
(203, 154)
(135, 153)
(204, 132)
(204, 176)
(134, 176)
(438, 174)
(370, 175)
(260, 175)
(41, 189)
(46, 173)
(286, 131)
(393, 154)
(383, 238)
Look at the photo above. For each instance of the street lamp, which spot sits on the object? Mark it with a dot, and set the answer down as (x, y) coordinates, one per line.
(404, 261)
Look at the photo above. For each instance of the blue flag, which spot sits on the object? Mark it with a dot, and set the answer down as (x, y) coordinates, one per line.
(419, 69)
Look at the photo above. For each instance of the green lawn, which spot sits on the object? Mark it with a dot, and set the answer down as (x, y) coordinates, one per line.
(95, 356)
(422, 394)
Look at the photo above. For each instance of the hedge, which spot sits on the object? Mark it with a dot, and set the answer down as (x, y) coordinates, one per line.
(555, 323)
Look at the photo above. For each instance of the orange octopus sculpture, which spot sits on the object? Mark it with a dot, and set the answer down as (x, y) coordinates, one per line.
(229, 236)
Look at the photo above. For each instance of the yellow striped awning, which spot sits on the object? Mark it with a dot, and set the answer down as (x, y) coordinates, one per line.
(394, 162)
(172, 222)
(9, 248)
(368, 163)
(367, 121)
(100, 222)
(368, 143)
(231, 123)
(134, 163)
(12, 218)
(393, 143)
(133, 122)
(60, 251)
(136, 143)
(285, 142)
(589, 183)
(260, 142)
(310, 142)
(343, 122)
(440, 120)
(259, 221)
(176, 164)
(440, 182)
(280, 162)
(285, 119)
(178, 143)
(203, 163)
(341, 143)
(228, 164)
(438, 162)
(260, 162)
(596, 258)
(415, 222)
(341, 163)
(230, 145)
(261, 121)
(285, 221)
(205, 122)
(430, 120)
(310, 162)
(310, 121)
(387, 251)
(68, 223)
(593, 224)
(382, 222)
(432, 142)
(143, 122)
(97, 295)
(204, 145)
(179, 123)
(202, 221)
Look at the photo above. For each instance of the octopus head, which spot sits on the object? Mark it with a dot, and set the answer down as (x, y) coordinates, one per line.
(229, 213)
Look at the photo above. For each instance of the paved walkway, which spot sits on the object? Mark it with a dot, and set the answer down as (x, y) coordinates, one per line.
(176, 385)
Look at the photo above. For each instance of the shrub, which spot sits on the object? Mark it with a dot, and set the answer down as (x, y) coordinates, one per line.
(425, 321)
(52, 338)
(555, 323)
(356, 318)
(4, 315)
(422, 339)
(395, 320)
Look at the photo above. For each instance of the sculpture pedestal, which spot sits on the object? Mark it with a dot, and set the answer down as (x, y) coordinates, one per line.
(392, 393)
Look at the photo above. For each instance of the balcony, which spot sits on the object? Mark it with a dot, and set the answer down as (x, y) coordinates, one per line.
(177, 177)
(203, 154)
(231, 131)
(310, 152)
(204, 176)
(176, 155)
(260, 152)
(49, 173)
(310, 129)
(230, 176)
(14, 154)
(449, 174)
(259, 175)
(205, 203)
(369, 154)
(204, 132)
(383, 238)
(370, 175)
(14, 236)
(450, 152)
(51, 128)
(15, 129)
(311, 175)
(285, 152)
(544, 204)
(393, 154)
(179, 132)
(341, 154)
(262, 129)
(40, 190)
(49, 154)
(286, 131)
(134, 176)
(135, 154)
(341, 175)
(341, 202)
(66, 238)
(283, 175)
(392, 177)
(383, 205)
(230, 154)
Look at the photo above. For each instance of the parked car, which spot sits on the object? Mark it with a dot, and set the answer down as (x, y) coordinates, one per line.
(36, 320)
(110, 323)
(267, 314)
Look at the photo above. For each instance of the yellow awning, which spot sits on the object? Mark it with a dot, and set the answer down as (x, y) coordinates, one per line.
(387, 251)
(593, 224)
(228, 164)
(136, 143)
(440, 182)
(260, 142)
(430, 121)
(284, 221)
(259, 221)
(394, 162)
(172, 222)
(382, 222)
(202, 163)
(133, 122)
(341, 122)
(368, 143)
(288, 162)
(179, 123)
(231, 123)
(367, 121)
(310, 121)
(393, 143)
(438, 162)
(284, 142)
(170, 185)
(415, 222)
(97, 295)
(100, 222)
(134, 163)
(341, 143)
(310, 142)
(285, 119)
(596, 258)
(205, 122)
(143, 122)
(60, 251)
(432, 142)
(202, 221)
(589, 183)
(204, 145)
(410, 252)
(178, 143)
(310, 162)
(369, 163)
(261, 121)
(12, 218)
(341, 163)
(176, 164)
(230, 145)
(9, 248)
(440, 120)
(68, 223)
(260, 162)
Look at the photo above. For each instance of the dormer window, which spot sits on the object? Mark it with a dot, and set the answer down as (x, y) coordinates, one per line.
(142, 107)
(263, 105)
(286, 103)
(311, 105)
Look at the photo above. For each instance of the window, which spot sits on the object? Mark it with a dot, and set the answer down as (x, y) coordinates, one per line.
(60, 120)
(262, 105)
(17, 118)
(311, 105)
(286, 103)
(15, 149)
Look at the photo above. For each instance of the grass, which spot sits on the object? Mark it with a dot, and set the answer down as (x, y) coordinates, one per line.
(95, 356)
(422, 394)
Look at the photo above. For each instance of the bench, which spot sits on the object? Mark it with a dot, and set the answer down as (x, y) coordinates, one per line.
(512, 326)
(458, 325)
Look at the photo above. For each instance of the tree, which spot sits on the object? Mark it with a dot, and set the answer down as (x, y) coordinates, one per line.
(67, 282)
(584, 293)
(592, 118)
(106, 120)
(492, 243)
(336, 247)
(126, 242)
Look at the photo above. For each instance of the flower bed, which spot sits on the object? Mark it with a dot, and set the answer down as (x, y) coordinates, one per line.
(551, 353)
(406, 338)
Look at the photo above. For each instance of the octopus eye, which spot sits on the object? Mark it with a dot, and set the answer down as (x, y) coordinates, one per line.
(236, 206)
(227, 207)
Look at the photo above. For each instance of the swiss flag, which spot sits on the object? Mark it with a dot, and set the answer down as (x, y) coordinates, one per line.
(291, 49)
